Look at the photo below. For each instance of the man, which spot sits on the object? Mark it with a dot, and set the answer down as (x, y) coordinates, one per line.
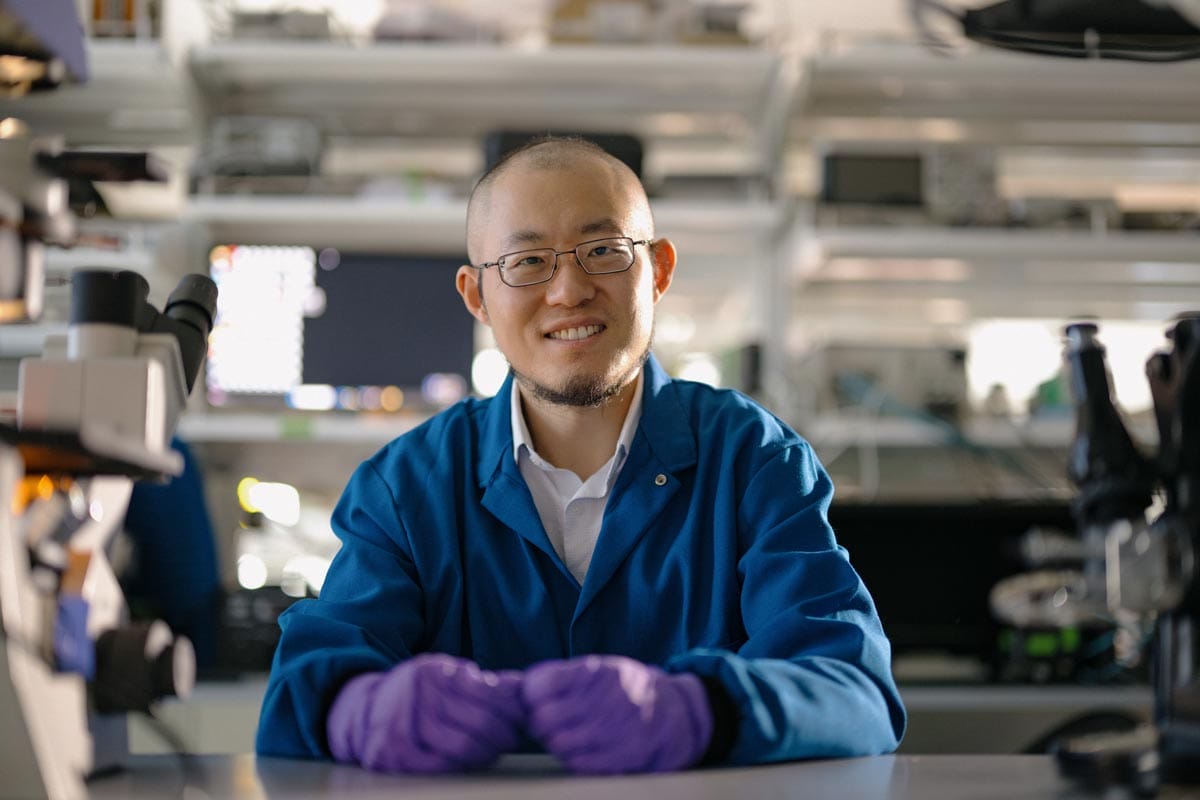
(633, 571)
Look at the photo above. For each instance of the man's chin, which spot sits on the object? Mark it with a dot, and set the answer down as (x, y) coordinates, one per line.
(579, 391)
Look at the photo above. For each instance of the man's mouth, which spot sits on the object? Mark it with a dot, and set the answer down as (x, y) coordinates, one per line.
(574, 334)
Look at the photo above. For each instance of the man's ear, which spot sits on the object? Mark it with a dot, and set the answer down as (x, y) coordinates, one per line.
(467, 281)
(662, 254)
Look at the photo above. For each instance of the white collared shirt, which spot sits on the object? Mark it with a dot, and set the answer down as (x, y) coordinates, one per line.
(571, 509)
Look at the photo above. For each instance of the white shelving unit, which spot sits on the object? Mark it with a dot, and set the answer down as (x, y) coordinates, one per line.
(440, 226)
(1010, 245)
(885, 274)
(136, 96)
(721, 96)
(979, 274)
(843, 431)
(1066, 115)
(267, 76)
(994, 96)
(1054, 432)
(334, 428)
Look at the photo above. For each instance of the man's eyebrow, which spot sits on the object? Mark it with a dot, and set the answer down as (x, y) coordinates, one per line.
(529, 236)
(525, 237)
(606, 225)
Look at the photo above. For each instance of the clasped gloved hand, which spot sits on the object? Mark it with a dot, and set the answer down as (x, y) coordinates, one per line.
(430, 714)
(610, 714)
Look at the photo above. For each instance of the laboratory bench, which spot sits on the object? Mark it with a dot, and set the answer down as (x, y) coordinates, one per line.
(978, 719)
(245, 777)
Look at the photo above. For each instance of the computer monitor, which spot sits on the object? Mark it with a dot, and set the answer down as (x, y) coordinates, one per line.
(871, 179)
(337, 330)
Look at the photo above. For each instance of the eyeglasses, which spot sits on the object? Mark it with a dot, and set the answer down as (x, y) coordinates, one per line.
(597, 257)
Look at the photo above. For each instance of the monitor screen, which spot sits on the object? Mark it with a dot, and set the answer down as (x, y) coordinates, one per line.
(333, 329)
(893, 180)
(930, 567)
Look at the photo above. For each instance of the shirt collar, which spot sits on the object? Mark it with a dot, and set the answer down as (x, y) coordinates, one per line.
(668, 432)
(521, 437)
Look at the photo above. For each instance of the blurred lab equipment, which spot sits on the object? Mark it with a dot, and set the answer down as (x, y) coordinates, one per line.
(1133, 30)
(93, 414)
(1135, 567)
(625, 21)
(625, 147)
(250, 145)
(122, 18)
(285, 24)
(408, 21)
(931, 379)
(173, 574)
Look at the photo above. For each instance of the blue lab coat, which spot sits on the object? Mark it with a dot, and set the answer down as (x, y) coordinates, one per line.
(715, 556)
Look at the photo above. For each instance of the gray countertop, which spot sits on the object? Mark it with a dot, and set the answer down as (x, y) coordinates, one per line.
(220, 718)
(245, 777)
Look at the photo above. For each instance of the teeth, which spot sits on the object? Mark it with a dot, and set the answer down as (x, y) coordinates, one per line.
(572, 334)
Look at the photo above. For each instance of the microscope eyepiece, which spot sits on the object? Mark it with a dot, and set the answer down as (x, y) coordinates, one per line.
(193, 302)
(1186, 333)
(192, 307)
(1082, 334)
(1115, 481)
(107, 296)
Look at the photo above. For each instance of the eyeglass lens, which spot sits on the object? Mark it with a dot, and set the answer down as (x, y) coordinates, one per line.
(598, 257)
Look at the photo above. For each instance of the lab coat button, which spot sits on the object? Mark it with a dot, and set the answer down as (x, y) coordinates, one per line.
(660, 480)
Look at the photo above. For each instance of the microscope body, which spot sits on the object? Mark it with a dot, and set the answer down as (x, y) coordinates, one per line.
(1137, 571)
(1174, 379)
(43, 712)
(94, 414)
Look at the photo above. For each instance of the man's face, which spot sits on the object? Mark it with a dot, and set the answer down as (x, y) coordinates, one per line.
(578, 338)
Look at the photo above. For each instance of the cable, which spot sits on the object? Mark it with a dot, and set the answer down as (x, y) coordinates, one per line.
(192, 774)
(860, 386)
(869, 471)
(1131, 52)
(919, 10)
(1087, 44)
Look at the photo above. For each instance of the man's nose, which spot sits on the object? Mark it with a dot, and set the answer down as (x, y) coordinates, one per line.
(570, 285)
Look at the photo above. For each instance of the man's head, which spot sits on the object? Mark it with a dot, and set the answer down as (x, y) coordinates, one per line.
(578, 338)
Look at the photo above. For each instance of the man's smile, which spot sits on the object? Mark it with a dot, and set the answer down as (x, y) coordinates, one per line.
(575, 333)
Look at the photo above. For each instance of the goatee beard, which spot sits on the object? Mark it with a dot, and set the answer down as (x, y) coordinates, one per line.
(587, 391)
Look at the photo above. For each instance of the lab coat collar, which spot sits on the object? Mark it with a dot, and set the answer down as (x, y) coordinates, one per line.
(663, 427)
(663, 445)
(664, 422)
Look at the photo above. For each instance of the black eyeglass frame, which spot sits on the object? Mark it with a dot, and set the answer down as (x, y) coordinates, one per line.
(578, 259)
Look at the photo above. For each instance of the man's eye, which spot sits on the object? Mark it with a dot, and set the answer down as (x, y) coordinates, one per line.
(528, 261)
(601, 251)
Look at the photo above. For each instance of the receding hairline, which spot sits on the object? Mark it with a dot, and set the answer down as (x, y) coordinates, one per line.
(548, 153)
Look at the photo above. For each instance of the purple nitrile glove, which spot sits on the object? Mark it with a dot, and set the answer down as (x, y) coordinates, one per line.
(614, 714)
(432, 713)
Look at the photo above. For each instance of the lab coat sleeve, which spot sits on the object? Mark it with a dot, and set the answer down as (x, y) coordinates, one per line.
(813, 678)
(367, 618)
